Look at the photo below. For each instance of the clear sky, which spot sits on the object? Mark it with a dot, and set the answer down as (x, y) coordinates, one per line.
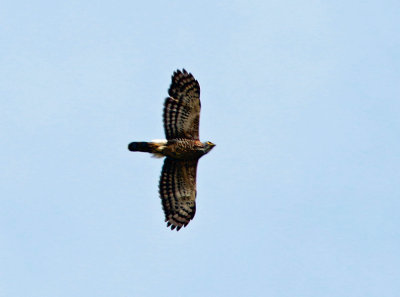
(300, 197)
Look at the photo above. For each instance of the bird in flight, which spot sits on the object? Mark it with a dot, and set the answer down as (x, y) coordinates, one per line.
(182, 149)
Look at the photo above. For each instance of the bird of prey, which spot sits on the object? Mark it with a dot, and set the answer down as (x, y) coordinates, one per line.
(182, 149)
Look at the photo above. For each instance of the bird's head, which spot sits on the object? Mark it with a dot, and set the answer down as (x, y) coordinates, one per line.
(208, 145)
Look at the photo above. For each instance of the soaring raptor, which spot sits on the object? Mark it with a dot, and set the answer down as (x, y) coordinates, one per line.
(182, 149)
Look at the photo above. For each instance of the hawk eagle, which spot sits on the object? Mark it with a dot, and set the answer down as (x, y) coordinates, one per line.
(182, 149)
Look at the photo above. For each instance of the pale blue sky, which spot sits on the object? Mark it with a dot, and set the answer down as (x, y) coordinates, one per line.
(300, 197)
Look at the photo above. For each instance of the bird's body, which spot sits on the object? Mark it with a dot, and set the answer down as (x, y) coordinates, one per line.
(182, 149)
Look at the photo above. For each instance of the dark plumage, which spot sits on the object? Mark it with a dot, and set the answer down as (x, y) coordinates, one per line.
(182, 149)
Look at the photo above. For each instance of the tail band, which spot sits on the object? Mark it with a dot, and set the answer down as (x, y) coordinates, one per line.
(140, 147)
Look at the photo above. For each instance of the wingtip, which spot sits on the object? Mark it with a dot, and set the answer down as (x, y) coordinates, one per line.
(179, 71)
(174, 226)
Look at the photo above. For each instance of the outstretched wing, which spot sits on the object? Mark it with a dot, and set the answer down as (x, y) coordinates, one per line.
(182, 108)
(178, 191)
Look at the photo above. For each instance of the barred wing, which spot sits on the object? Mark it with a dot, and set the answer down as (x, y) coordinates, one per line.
(182, 108)
(178, 191)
